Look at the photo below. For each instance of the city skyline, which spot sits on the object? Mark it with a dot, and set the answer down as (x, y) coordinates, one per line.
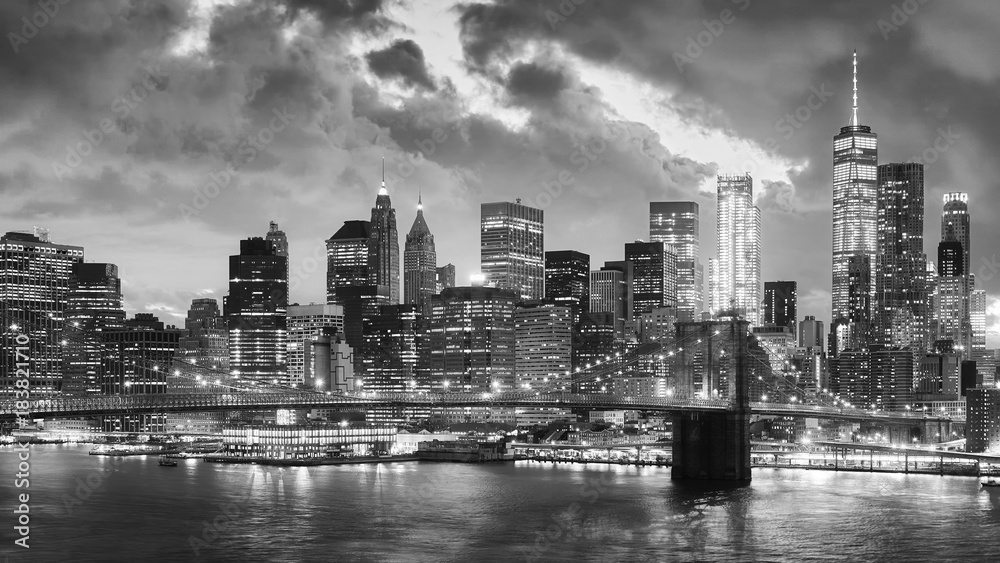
(529, 105)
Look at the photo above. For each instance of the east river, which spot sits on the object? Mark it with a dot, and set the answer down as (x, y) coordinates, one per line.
(91, 508)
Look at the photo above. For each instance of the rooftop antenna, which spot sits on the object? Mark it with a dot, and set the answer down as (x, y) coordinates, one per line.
(382, 190)
(854, 110)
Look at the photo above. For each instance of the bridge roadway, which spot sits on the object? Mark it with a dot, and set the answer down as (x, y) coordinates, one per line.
(203, 402)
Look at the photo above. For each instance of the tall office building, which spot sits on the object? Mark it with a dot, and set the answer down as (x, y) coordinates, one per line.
(347, 257)
(445, 277)
(901, 317)
(781, 304)
(471, 339)
(393, 357)
(93, 306)
(205, 339)
(419, 263)
(255, 312)
(280, 242)
(512, 248)
(611, 292)
(957, 225)
(34, 282)
(737, 283)
(977, 316)
(855, 202)
(543, 336)
(859, 307)
(952, 318)
(137, 360)
(712, 289)
(677, 224)
(567, 278)
(306, 324)
(811, 333)
(383, 245)
(654, 276)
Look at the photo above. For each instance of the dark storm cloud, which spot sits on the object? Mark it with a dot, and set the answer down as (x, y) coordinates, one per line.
(343, 15)
(532, 80)
(403, 59)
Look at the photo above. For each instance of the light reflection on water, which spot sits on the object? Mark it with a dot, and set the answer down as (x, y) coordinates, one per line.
(133, 509)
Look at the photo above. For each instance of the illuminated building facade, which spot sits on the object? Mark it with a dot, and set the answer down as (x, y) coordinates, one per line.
(781, 304)
(419, 263)
(34, 283)
(205, 340)
(255, 312)
(737, 269)
(347, 257)
(677, 224)
(567, 278)
(383, 246)
(512, 248)
(654, 276)
(306, 323)
(855, 202)
(471, 339)
(93, 306)
(543, 336)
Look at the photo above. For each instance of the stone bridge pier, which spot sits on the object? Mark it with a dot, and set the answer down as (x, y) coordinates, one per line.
(711, 364)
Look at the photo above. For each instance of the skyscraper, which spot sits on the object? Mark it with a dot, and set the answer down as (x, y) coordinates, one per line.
(445, 277)
(137, 360)
(306, 323)
(567, 278)
(611, 293)
(34, 283)
(811, 333)
(419, 263)
(901, 316)
(471, 339)
(393, 353)
(957, 225)
(93, 306)
(512, 248)
(677, 224)
(781, 304)
(543, 346)
(205, 340)
(383, 245)
(737, 268)
(654, 276)
(255, 312)
(952, 317)
(855, 196)
(347, 257)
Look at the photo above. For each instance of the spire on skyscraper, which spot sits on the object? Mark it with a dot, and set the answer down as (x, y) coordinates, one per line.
(854, 109)
(382, 190)
(420, 200)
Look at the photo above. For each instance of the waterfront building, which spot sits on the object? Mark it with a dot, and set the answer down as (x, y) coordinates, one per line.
(512, 247)
(982, 433)
(737, 268)
(93, 306)
(383, 245)
(347, 257)
(255, 311)
(137, 360)
(567, 279)
(677, 224)
(34, 284)
(419, 263)
(855, 206)
(780, 304)
(471, 339)
(304, 442)
(306, 323)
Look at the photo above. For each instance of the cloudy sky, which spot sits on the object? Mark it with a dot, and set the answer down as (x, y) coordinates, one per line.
(158, 134)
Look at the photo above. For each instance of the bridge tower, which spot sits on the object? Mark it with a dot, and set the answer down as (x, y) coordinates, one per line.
(711, 363)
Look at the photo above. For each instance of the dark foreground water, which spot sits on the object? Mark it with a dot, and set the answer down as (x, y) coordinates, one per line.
(89, 508)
